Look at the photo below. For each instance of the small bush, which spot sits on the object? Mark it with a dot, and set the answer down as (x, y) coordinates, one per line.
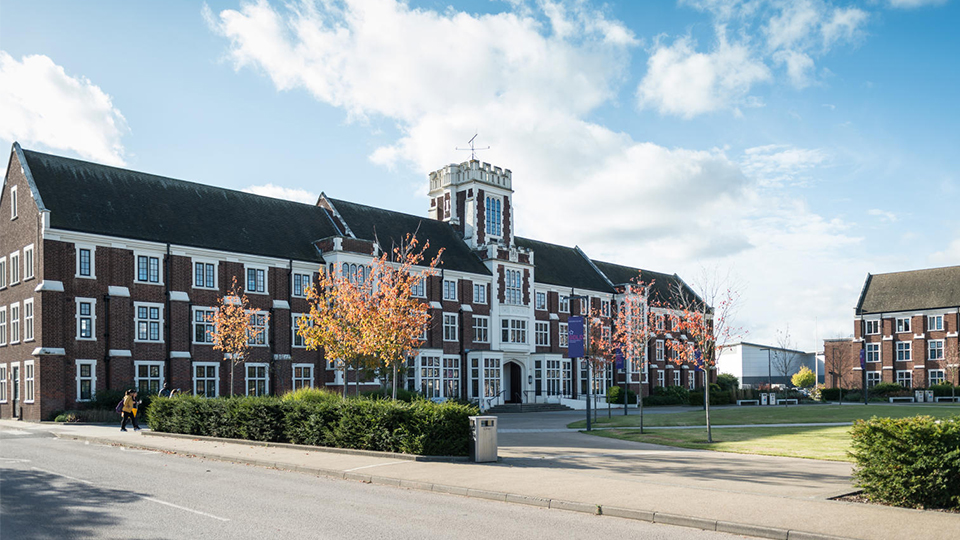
(912, 462)
(941, 390)
(667, 395)
(312, 395)
(720, 397)
(832, 394)
(615, 395)
(886, 389)
(89, 416)
(404, 395)
(728, 381)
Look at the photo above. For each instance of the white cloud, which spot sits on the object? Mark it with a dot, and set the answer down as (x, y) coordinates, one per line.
(949, 256)
(910, 4)
(799, 67)
(41, 104)
(777, 165)
(884, 215)
(280, 192)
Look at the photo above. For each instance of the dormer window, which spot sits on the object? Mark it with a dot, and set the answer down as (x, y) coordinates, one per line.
(493, 215)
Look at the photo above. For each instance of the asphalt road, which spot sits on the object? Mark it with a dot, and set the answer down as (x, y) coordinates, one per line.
(51, 488)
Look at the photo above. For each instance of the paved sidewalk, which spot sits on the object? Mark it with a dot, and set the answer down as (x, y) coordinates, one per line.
(755, 495)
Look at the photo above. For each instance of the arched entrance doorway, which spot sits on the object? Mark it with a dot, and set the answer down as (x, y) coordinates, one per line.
(513, 382)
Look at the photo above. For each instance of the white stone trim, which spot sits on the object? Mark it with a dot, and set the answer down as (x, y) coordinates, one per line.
(466, 307)
(179, 296)
(49, 286)
(119, 353)
(180, 354)
(281, 304)
(49, 351)
(121, 292)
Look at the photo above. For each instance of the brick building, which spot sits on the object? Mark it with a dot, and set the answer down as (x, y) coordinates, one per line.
(108, 276)
(906, 325)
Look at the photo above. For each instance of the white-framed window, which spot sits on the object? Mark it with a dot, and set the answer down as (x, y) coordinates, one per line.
(935, 349)
(873, 378)
(86, 267)
(542, 333)
(302, 376)
(257, 335)
(903, 324)
(419, 288)
(493, 215)
(605, 334)
(206, 379)
(3, 383)
(605, 308)
(691, 380)
(873, 327)
(28, 319)
(905, 378)
(423, 333)
(15, 267)
(873, 352)
(28, 382)
(205, 274)
(659, 351)
(904, 351)
(513, 287)
(449, 289)
(256, 280)
(148, 320)
(3, 325)
(491, 377)
(451, 377)
(297, 340)
(450, 327)
(148, 269)
(3, 272)
(430, 376)
(28, 271)
(676, 377)
(513, 331)
(646, 375)
(203, 327)
(585, 306)
(564, 304)
(935, 376)
(479, 293)
(15, 323)
(661, 377)
(13, 202)
(258, 379)
(148, 376)
(301, 284)
(935, 322)
(481, 329)
(541, 300)
(659, 318)
(553, 377)
(563, 336)
(86, 379)
(355, 273)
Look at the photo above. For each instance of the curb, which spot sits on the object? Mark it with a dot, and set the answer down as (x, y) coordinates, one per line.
(759, 531)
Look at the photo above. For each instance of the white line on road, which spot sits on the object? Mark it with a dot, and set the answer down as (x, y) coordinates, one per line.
(63, 476)
(374, 465)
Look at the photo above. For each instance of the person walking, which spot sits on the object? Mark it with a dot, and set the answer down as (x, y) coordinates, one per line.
(165, 391)
(130, 403)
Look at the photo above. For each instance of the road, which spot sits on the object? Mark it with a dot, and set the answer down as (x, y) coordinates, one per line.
(52, 488)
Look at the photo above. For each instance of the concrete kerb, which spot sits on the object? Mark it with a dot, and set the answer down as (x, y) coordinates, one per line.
(594, 509)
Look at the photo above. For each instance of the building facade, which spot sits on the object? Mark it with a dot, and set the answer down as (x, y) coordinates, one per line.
(109, 276)
(756, 364)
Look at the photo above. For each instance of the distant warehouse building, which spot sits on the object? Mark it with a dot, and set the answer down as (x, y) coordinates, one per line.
(756, 364)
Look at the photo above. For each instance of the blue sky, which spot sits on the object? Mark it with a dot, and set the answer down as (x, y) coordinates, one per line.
(797, 145)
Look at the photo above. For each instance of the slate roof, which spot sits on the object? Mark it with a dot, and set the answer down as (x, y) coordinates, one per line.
(564, 266)
(664, 285)
(391, 229)
(94, 198)
(905, 291)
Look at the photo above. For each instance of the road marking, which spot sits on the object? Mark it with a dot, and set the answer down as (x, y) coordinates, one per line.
(14, 432)
(374, 465)
(63, 476)
(14, 460)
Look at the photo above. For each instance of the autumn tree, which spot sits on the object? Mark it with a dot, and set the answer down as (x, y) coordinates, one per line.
(599, 351)
(951, 368)
(836, 357)
(632, 331)
(804, 378)
(233, 329)
(784, 357)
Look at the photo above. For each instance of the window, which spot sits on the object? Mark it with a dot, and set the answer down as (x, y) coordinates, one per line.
(541, 298)
(935, 349)
(86, 318)
(148, 377)
(3, 272)
(28, 320)
(302, 376)
(257, 334)
(661, 377)
(512, 292)
(3, 325)
(203, 327)
(564, 304)
(206, 379)
(934, 376)
(85, 267)
(903, 324)
(204, 275)
(935, 322)
(450, 327)
(873, 327)
(873, 378)
(14, 268)
(148, 269)
(257, 379)
(873, 352)
(298, 340)
(13, 202)
(605, 308)
(419, 289)
(553, 377)
(256, 280)
(659, 354)
(355, 273)
(481, 329)
(904, 351)
(513, 331)
(584, 306)
(676, 377)
(905, 378)
(451, 377)
(449, 289)
(430, 376)
(563, 335)
(148, 320)
(542, 333)
(28, 380)
(301, 284)
(493, 216)
(3, 383)
(605, 334)
(15, 323)
(28, 262)
(659, 321)
(491, 377)
(479, 293)
(86, 379)
(691, 380)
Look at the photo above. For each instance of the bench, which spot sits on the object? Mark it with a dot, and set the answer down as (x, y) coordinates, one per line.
(788, 400)
(902, 398)
(742, 401)
(946, 398)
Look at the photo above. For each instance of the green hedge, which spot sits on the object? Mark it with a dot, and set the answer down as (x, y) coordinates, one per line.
(717, 397)
(420, 427)
(615, 395)
(912, 462)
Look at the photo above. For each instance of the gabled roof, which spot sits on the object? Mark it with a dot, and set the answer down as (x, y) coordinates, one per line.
(93, 198)
(664, 285)
(564, 266)
(930, 288)
(391, 229)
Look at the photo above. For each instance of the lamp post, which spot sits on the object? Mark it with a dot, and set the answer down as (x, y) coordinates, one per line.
(586, 333)
(769, 372)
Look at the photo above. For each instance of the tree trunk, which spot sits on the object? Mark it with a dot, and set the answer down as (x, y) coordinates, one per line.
(232, 366)
(394, 381)
(706, 399)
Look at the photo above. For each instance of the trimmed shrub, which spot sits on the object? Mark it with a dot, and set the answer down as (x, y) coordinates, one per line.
(945, 389)
(667, 395)
(717, 397)
(728, 381)
(886, 389)
(912, 462)
(313, 395)
(615, 395)
(404, 395)
(832, 394)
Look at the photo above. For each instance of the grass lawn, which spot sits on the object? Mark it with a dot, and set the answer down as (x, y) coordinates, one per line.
(776, 415)
(827, 443)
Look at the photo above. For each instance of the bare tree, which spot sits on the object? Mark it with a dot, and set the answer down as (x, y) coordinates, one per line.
(784, 358)
(836, 358)
(951, 367)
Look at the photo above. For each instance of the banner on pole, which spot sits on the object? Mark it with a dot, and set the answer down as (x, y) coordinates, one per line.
(863, 359)
(575, 337)
(620, 360)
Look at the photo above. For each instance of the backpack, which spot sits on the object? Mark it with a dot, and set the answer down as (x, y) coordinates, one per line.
(119, 408)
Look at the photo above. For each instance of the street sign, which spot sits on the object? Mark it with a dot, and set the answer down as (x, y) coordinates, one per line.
(575, 337)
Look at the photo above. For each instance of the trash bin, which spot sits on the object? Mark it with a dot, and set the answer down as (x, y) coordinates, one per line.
(918, 396)
(483, 439)
(773, 398)
(928, 394)
(763, 398)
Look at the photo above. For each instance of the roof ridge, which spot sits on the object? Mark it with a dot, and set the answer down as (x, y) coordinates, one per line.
(957, 266)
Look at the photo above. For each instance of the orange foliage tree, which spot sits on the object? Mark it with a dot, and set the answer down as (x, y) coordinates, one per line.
(233, 328)
(600, 350)
(632, 331)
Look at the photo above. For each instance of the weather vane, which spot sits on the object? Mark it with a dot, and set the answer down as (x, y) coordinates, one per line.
(473, 149)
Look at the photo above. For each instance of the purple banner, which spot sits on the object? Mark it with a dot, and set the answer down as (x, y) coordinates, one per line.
(620, 361)
(863, 359)
(575, 337)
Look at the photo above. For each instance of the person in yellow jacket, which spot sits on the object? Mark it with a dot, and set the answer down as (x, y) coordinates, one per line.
(130, 405)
